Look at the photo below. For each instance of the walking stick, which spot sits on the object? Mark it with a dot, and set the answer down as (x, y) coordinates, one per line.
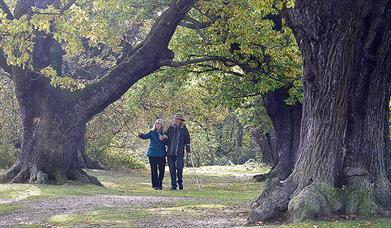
(198, 182)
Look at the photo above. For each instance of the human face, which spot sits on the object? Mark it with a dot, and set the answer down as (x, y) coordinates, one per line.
(158, 126)
(177, 122)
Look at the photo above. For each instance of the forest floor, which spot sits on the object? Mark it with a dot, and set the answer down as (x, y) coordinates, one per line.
(127, 200)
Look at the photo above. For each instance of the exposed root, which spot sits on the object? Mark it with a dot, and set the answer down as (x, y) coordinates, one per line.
(21, 176)
(83, 177)
(359, 194)
(382, 191)
(261, 177)
(8, 175)
(270, 204)
(37, 176)
(316, 201)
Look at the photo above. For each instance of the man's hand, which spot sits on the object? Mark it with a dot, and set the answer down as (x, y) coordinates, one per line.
(188, 157)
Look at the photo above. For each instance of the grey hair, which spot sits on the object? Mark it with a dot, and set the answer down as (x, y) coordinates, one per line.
(154, 125)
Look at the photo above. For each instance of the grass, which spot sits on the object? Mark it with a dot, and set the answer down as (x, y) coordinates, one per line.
(8, 208)
(222, 188)
(118, 217)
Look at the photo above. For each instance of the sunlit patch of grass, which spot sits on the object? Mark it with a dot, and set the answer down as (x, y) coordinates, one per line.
(117, 217)
(190, 209)
(245, 170)
(225, 189)
(8, 208)
(17, 192)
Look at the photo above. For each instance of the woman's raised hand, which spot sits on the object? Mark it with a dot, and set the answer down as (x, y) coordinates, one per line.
(163, 137)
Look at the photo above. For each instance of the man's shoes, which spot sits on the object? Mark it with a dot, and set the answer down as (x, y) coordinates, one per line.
(173, 189)
(160, 188)
(180, 188)
(155, 188)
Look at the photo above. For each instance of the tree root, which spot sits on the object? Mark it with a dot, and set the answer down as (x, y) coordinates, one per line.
(270, 204)
(323, 201)
(316, 201)
(37, 176)
(382, 191)
(261, 177)
(359, 197)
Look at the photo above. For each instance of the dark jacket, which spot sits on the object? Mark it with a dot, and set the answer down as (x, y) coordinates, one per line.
(156, 148)
(178, 139)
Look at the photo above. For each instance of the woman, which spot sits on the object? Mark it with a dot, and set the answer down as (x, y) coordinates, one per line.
(156, 153)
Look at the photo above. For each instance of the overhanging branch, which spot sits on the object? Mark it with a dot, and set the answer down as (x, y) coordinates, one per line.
(6, 10)
(142, 62)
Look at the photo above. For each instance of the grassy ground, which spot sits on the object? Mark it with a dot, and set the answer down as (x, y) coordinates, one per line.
(128, 201)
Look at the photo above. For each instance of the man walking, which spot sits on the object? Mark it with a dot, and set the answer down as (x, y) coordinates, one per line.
(178, 139)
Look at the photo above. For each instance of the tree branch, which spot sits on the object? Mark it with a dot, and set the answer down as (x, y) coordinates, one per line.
(192, 23)
(144, 61)
(171, 63)
(67, 6)
(6, 10)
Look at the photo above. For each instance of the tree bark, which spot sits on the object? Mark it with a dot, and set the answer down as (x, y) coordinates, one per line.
(286, 121)
(54, 119)
(52, 130)
(368, 186)
(267, 147)
(84, 160)
(327, 33)
(286, 124)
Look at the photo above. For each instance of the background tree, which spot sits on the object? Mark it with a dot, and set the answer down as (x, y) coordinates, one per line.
(255, 59)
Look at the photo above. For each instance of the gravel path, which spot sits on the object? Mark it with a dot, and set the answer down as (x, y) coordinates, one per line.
(38, 211)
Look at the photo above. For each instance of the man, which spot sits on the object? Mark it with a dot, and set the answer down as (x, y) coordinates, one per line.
(178, 138)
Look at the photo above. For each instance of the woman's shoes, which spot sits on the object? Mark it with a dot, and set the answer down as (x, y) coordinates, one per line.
(156, 188)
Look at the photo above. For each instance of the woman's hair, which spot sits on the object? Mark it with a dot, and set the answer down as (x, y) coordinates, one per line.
(154, 125)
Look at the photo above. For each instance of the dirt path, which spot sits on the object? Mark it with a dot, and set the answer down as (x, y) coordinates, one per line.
(39, 211)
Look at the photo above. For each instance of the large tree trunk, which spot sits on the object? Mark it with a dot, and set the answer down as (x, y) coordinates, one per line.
(327, 33)
(53, 131)
(367, 133)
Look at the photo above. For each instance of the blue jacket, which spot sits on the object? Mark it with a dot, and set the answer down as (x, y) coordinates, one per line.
(156, 147)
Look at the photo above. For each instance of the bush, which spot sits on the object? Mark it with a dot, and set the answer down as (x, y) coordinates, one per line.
(118, 159)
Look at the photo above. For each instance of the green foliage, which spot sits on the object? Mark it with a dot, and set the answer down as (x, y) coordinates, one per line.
(259, 57)
(117, 159)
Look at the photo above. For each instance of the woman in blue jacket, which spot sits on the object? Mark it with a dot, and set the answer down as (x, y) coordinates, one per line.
(156, 153)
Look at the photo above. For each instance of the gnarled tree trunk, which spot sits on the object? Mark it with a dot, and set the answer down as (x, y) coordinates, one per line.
(327, 33)
(52, 133)
(368, 186)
